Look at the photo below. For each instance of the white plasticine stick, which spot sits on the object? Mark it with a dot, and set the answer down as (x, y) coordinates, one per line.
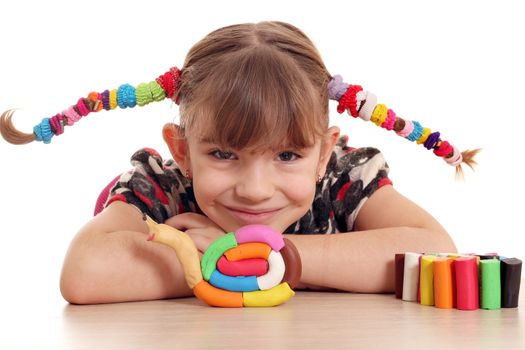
(411, 276)
(275, 274)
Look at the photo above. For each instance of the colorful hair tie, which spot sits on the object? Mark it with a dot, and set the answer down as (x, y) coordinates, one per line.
(456, 158)
(81, 107)
(349, 101)
(57, 124)
(43, 131)
(113, 99)
(125, 96)
(443, 149)
(336, 88)
(364, 104)
(96, 100)
(105, 100)
(416, 133)
(432, 140)
(407, 130)
(424, 136)
(368, 106)
(379, 115)
(71, 115)
(390, 120)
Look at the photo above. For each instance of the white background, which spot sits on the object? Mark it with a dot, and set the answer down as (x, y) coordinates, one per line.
(455, 66)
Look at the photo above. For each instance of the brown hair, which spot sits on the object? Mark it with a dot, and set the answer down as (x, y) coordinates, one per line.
(252, 85)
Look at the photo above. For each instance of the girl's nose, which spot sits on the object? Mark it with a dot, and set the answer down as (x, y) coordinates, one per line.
(255, 184)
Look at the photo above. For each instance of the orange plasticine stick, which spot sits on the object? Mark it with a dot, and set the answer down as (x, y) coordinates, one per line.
(248, 251)
(444, 283)
(217, 297)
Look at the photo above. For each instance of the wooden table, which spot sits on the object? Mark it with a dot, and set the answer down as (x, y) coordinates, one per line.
(309, 320)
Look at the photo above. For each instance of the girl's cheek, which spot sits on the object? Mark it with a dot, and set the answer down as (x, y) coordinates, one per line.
(210, 183)
(299, 186)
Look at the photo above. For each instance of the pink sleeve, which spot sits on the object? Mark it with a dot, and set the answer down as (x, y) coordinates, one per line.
(103, 196)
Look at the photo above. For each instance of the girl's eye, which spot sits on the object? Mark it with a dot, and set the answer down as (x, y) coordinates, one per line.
(222, 155)
(288, 156)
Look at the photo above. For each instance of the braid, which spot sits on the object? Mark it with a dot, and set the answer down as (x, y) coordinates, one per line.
(363, 104)
(165, 86)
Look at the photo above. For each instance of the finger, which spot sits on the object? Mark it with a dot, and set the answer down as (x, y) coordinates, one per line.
(201, 242)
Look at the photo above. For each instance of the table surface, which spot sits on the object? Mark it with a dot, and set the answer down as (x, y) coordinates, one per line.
(309, 320)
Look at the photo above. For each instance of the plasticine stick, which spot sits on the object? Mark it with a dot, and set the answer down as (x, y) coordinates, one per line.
(217, 297)
(248, 251)
(510, 282)
(399, 268)
(490, 284)
(292, 259)
(444, 283)
(426, 280)
(247, 267)
(488, 256)
(411, 276)
(467, 283)
(419, 278)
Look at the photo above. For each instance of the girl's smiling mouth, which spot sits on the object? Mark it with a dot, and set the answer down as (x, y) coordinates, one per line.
(253, 216)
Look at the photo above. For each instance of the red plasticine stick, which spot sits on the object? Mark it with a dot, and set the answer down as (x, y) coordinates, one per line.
(247, 267)
(467, 283)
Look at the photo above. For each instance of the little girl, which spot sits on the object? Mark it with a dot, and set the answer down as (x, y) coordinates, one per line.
(253, 146)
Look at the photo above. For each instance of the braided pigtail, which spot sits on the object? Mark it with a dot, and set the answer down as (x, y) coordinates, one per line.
(165, 86)
(363, 104)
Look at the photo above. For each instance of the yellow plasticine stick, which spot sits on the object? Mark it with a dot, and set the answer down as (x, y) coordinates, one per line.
(426, 280)
(271, 297)
(184, 248)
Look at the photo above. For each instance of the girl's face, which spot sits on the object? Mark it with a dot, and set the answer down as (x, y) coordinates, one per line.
(239, 187)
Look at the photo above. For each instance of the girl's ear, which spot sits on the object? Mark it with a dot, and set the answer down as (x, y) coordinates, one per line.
(327, 147)
(177, 144)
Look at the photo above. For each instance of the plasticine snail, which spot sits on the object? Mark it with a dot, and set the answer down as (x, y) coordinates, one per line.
(254, 266)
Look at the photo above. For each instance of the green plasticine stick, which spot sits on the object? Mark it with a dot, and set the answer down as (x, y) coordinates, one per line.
(490, 284)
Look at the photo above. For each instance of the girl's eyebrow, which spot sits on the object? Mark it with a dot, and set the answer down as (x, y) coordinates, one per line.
(205, 139)
(209, 140)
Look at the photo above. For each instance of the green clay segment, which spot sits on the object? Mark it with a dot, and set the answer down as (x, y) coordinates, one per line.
(214, 253)
(490, 284)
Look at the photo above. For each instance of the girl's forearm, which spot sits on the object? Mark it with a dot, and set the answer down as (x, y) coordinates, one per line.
(120, 266)
(363, 261)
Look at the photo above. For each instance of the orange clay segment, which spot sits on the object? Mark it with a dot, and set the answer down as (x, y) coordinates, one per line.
(248, 251)
(217, 297)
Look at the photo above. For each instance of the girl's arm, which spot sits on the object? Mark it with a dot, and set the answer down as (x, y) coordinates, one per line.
(363, 260)
(110, 260)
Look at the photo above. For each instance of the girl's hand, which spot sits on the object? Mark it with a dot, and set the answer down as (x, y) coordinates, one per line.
(202, 230)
